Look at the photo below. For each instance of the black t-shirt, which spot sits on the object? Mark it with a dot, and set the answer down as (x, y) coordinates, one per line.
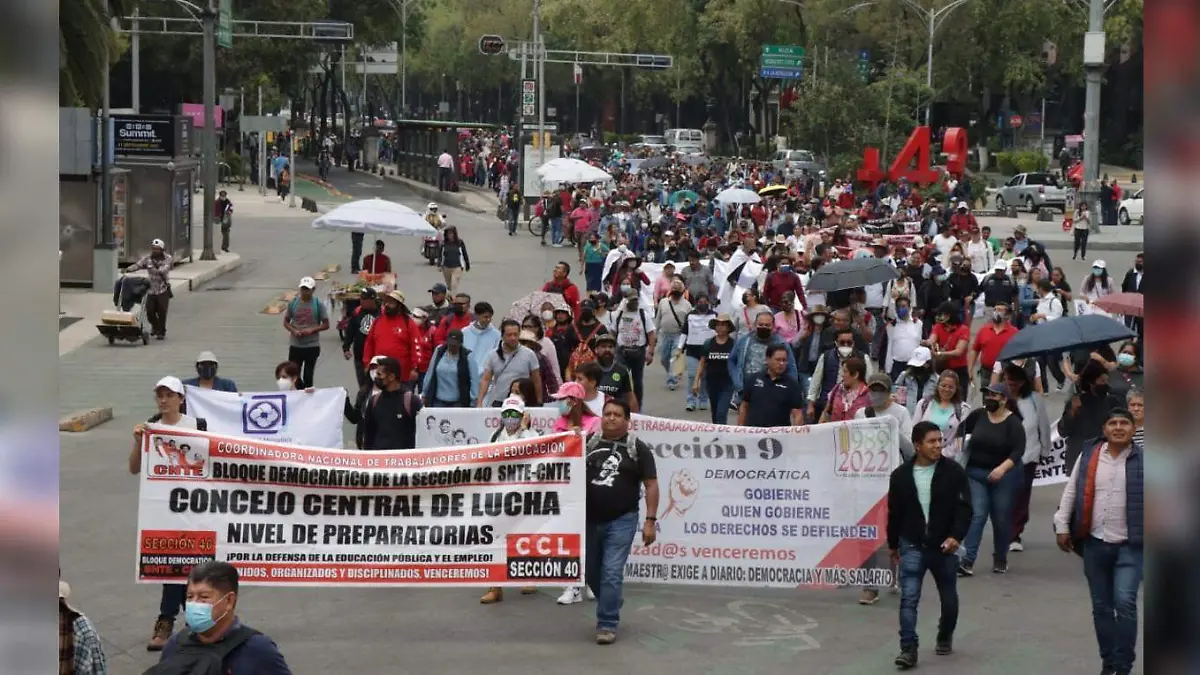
(614, 478)
(772, 401)
(616, 381)
(716, 369)
(992, 443)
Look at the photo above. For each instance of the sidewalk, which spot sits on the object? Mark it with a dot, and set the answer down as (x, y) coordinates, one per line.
(1110, 237)
(467, 198)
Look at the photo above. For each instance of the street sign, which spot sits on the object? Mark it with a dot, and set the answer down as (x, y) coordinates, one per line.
(781, 61)
(781, 73)
(225, 24)
(783, 50)
(262, 124)
(1015, 121)
(551, 112)
(491, 45)
(528, 98)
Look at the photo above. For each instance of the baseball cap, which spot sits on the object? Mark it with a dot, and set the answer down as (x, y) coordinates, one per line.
(920, 356)
(455, 336)
(604, 337)
(1100, 263)
(439, 288)
(308, 282)
(172, 383)
(996, 388)
(962, 205)
(515, 403)
(367, 293)
(879, 379)
(206, 357)
(376, 360)
(570, 390)
(1000, 265)
(157, 243)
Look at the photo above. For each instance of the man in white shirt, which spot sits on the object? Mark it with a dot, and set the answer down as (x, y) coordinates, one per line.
(1101, 518)
(445, 170)
(943, 242)
(637, 337)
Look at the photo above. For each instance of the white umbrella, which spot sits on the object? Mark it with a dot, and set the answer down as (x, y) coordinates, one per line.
(376, 216)
(737, 195)
(571, 170)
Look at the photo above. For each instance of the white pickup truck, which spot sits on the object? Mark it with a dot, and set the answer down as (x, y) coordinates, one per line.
(1033, 191)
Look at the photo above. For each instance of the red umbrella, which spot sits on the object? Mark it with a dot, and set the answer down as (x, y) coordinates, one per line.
(1127, 304)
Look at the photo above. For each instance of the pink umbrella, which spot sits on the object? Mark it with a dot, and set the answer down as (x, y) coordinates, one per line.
(1126, 304)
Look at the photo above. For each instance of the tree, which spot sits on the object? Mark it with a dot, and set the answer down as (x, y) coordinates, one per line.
(86, 42)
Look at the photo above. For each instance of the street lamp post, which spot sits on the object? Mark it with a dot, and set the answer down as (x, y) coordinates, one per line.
(209, 137)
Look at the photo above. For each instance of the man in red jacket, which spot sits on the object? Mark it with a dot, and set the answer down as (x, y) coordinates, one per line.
(962, 222)
(458, 318)
(396, 334)
(561, 283)
(780, 279)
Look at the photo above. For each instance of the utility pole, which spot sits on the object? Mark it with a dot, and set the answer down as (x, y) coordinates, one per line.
(209, 137)
(104, 256)
(539, 64)
(135, 63)
(1093, 62)
(404, 58)
(262, 151)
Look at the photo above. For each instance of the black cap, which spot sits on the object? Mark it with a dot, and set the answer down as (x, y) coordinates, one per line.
(455, 335)
(439, 288)
(367, 293)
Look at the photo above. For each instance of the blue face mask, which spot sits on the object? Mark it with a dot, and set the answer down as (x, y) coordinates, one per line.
(902, 312)
(1097, 271)
(564, 408)
(199, 616)
(1126, 359)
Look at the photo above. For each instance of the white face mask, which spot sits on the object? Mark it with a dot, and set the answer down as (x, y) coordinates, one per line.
(818, 320)
(844, 351)
(548, 315)
(284, 384)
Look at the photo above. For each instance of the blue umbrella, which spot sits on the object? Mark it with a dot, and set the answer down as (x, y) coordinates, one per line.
(1065, 334)
(681, 195)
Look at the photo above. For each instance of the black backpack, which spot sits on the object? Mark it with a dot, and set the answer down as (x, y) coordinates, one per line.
(192, 657)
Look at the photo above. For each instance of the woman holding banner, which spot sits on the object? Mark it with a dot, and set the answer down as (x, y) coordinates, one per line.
(168, 395)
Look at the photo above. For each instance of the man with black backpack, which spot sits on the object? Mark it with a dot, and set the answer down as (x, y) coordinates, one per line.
(216, 642)
(390, 418)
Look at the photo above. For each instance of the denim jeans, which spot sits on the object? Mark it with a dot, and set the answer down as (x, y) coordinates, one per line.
(608, 545)
(593, 273)
(692, 364)
(556, 233)
(914, 562)
(173, 598)
(1114, 572)
(719, 403)
(994, 500)
(666, 347)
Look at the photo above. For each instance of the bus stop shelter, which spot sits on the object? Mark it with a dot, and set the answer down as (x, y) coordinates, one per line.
(419, 143)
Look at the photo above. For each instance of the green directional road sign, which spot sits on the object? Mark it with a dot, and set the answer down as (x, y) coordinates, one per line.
(225, 24)
(783, 50)
(781, 61)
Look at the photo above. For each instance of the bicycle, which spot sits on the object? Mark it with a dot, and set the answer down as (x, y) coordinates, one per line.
(536, 226)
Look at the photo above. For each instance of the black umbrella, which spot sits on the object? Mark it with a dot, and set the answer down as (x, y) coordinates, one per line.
(853, 273)
(653, 163)
(1065, 334)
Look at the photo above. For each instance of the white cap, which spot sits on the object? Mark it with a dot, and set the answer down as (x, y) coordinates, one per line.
(1000, 265)
(376, 359)
(668, 233)
(853, 216)
(920, 356)
(308, 282)
(1100, 263)
(206, 357)
(157, 243)
(962, 205)
(172, 383)
(432, 206)
(513, 403)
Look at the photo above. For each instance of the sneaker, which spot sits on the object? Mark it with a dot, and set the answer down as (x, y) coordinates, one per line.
(690, 407)
(570, 596)
(999, 568)
(492, 596)
(672, 384)
(868, 597)
(907, 658)
(605, 637)
(895, 587)
(944, 646)
(704, 406)
(966, 569)
(590, 594)
(1016, 546)
(163, 628)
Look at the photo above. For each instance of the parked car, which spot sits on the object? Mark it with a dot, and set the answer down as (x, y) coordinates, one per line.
(1033, 191)
(1130, 210)
(796, 160)
(653, 143)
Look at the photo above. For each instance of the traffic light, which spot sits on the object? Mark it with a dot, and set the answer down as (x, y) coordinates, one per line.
(864, 63)
(491, 45)
(649, 62)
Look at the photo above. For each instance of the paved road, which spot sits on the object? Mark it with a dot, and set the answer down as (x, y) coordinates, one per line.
(1033, 620)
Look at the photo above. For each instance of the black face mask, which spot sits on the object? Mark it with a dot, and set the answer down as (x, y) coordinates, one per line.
(1100, 390)
(206, 371)
(991, 405)
(380, 382)
(1137, 266)
(587, 315)
(763, 333)
(459, 310)
(702, 307)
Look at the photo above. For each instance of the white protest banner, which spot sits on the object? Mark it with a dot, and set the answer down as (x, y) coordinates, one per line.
(1052, 468)
(743, 506)
(278, 416)
(504, 514)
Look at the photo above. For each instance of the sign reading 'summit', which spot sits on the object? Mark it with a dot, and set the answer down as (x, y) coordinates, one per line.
(144, 135)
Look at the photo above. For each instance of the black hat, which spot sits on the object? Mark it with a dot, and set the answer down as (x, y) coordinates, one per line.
(367, 293)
